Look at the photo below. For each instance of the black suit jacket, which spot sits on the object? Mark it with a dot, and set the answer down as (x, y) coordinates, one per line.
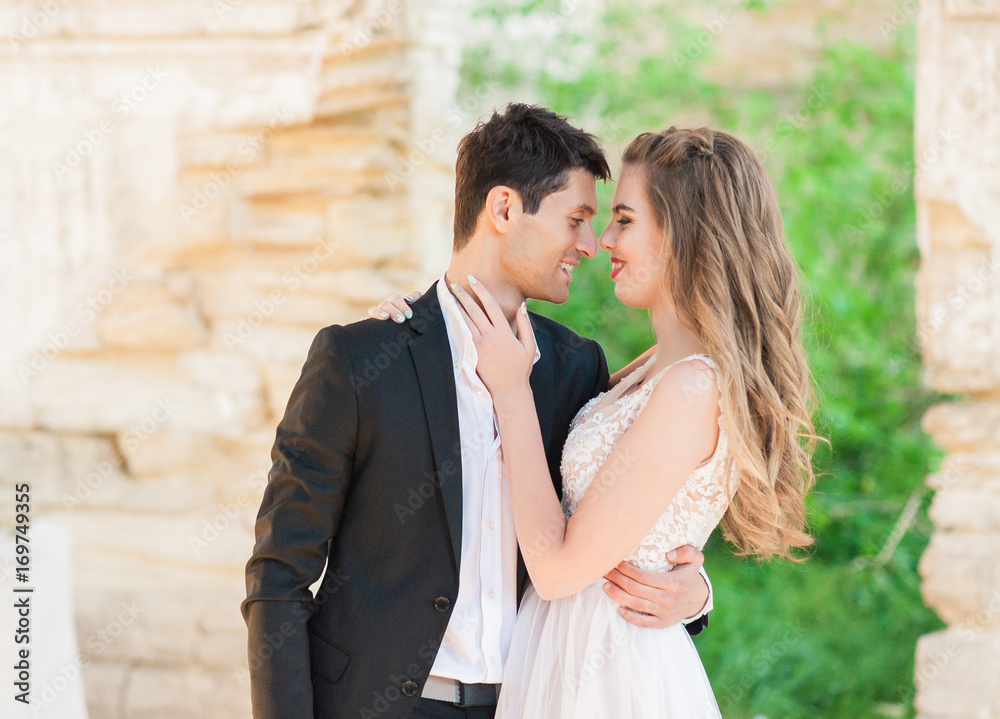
(366, 484)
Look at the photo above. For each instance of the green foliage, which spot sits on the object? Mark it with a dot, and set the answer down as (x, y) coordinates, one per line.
(833, 637)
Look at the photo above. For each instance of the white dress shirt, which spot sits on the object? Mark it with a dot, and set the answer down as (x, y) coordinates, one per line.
(477, 639)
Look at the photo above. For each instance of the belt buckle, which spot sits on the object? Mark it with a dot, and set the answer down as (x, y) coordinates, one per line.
(475, 697)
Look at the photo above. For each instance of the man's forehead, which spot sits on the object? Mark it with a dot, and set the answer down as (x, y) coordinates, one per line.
(580, 193)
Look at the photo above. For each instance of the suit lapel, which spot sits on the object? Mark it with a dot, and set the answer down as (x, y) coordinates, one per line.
(542, 381)
(432, 359)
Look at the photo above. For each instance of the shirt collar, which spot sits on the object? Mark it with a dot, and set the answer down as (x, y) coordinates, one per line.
(463, 347)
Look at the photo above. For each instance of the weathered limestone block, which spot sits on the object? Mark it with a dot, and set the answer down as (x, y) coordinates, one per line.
(137, 399)
(960, 307)
(965, 426)
(351, 165)
(961, 576)
(135, 609)
(63, 470)
(371, 231)
(279, 379)
(285, 222)
(956, 673)
(171, 692)
(266, 344)
(972, 9)
(374, 78)
(967, 498)
(153, 316)
(177, 17)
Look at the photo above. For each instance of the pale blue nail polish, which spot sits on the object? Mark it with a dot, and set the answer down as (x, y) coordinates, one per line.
(399, 318)
(409, 314)
(473, 280)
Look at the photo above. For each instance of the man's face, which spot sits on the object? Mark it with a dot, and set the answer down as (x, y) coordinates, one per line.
(542, 250)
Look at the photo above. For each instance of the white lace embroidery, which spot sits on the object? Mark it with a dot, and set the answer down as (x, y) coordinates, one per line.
(697, 507)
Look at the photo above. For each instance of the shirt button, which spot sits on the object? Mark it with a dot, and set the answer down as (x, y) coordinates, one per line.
(492, 524)
(493, 595)
(479, 390)
(442, 604)
(409, 688)
(493, 660)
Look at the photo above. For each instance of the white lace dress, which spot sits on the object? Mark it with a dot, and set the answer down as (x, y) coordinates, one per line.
(576, 658)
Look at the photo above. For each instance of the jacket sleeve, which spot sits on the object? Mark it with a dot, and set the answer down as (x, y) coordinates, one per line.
(602, 377)
(312, 459)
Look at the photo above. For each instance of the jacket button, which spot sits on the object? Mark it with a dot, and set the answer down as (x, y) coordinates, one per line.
(442, 604)
(409, 688)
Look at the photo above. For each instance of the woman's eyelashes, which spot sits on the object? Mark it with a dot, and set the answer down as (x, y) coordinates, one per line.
(624, 221)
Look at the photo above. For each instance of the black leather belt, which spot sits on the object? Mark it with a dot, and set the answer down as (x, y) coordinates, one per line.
(459, 694)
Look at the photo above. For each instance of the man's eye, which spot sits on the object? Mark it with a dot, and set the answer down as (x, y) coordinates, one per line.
(577, 221)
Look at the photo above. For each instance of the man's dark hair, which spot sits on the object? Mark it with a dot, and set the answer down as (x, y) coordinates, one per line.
(529, 149)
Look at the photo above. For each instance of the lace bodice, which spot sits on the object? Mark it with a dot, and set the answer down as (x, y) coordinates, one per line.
(697, 507)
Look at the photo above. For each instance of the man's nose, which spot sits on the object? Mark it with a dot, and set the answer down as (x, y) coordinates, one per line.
(588, 243)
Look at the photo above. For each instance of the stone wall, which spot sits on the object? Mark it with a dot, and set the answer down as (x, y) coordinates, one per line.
(189, 190)
(958, 210)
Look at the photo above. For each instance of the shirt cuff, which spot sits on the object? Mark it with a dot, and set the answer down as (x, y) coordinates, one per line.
(709, 604)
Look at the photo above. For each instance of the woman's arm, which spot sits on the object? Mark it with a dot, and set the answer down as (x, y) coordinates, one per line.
(676, 431)
(631, 367)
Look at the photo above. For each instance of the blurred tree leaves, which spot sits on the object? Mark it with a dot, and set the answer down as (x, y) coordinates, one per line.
(834, 637)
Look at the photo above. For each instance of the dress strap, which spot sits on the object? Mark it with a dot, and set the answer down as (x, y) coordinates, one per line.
(651, 381)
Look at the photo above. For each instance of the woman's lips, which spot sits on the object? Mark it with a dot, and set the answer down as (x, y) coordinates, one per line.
(616, 266)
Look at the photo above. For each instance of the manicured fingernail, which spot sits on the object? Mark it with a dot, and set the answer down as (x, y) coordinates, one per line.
(385, 315)
(473, 280)
(672, 555)
(455, 287)
(409, 314)
(408, 298)
(607, 586)
(524, 308)
(399, 318)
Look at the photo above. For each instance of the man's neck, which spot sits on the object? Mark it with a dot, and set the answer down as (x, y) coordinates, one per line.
(487, 270)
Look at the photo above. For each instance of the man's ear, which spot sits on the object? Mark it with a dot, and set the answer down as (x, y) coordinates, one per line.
(502, 203)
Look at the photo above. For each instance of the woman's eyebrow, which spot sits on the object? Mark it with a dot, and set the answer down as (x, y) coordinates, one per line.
(622, 206)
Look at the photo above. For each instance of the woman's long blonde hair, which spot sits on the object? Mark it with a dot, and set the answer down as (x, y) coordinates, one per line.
(733, 283)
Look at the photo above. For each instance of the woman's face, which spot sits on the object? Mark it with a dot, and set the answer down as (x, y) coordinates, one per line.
(636, 243)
